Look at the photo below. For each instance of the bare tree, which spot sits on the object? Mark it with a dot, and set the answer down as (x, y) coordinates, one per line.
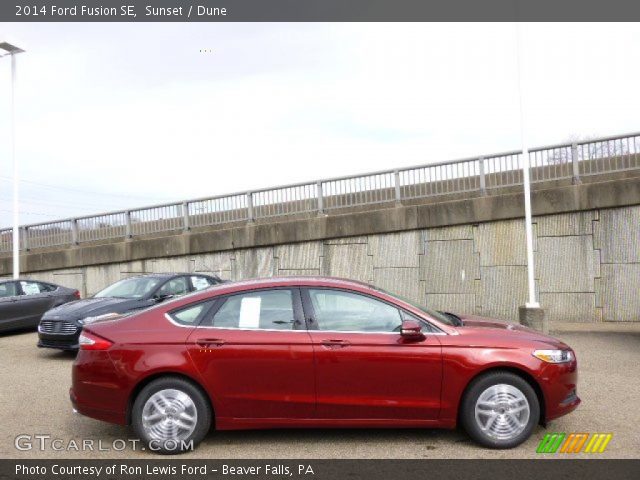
(589, 147)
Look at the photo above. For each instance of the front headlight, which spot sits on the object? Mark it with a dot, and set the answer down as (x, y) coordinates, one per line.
(553, 356)
(87, 320)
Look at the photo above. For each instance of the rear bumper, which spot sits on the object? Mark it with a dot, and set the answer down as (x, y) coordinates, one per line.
(99, 413)
(97, 390)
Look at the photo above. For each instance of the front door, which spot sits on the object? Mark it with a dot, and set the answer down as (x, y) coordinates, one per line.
(255, 354)
(364, 368)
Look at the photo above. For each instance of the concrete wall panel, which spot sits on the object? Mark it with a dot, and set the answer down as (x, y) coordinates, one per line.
(74, 278)
(252, 263)
(396, 249)
(456, 232)
(460, 303)
(620, 293)
(100, 276)
(578, 223)
(501, 243)
(213, 263)
(619, 235)
(400, 281)
(569, 307)
(298, 273)
(299, 256)
(503, 290)
(559, 255)
(449, 267)
(349, 261)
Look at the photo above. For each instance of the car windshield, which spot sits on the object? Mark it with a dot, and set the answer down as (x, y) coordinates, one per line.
(452, 321)
(130, 288)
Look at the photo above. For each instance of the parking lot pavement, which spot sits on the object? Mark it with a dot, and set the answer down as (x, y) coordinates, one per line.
(34, 401)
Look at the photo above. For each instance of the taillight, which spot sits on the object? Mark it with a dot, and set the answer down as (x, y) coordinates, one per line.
(77, 294)
(91, 341)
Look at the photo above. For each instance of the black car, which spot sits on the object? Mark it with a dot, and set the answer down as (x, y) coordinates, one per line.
(22, 302)
(60, 327)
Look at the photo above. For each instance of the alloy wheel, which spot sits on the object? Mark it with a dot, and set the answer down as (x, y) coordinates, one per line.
(502, 412)
(169, 414)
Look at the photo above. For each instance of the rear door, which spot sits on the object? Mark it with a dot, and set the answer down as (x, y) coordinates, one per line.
(36, 299)
(364, 368)
(255, 354)
(9, 307)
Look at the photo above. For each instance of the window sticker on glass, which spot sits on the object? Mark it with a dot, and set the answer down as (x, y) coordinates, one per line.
(199, 283)
(30, 288)
(250, 312)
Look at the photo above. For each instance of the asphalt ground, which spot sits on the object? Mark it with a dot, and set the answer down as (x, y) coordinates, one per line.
(34, 401)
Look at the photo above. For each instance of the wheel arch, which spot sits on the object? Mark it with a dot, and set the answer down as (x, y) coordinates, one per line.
(168, 374)
(526, 376)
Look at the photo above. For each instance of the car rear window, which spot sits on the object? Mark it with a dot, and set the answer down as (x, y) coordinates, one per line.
(191, 314)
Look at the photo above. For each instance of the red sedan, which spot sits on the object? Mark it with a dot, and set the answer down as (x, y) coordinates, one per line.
(317, 352)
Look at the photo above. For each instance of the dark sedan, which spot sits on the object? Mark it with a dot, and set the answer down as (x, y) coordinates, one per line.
(60, 327)
(22, 302)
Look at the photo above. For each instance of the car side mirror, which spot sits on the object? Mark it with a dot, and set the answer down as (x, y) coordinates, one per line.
(162, 298)
(411, 330)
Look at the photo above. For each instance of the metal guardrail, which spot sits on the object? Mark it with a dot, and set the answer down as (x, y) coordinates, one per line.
(555, 162)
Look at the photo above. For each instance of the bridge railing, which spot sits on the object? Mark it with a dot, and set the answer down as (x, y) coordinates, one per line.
(480, 174)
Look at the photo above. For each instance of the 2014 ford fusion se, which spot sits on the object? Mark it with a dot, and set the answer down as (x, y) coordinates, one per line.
(317, 352)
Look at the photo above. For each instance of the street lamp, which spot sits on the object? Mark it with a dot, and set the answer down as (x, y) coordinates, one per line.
(530, 314)
(11, 50)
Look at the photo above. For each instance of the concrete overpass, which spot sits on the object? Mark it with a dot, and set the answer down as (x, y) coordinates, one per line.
(448, 234)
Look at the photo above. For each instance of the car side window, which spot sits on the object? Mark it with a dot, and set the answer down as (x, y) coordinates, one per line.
(200, 283)
(8, 289)
(351, 312)
(191, 314)
(47, 287)
(31, 288)
(263, 310)
(175, 286)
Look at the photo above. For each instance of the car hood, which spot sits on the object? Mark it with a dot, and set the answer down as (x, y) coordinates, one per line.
(474, 324)
(92, 307)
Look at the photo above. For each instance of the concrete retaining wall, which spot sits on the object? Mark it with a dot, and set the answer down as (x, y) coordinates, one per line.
(464, 256)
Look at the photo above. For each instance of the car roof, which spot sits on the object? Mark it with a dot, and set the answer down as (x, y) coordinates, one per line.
(170, 274)
(5, 280)
(293, 281)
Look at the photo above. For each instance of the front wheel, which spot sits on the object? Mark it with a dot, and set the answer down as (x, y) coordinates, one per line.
(500, 410)
(171, 415)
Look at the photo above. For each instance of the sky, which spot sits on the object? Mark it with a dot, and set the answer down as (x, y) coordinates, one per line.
(116, 116)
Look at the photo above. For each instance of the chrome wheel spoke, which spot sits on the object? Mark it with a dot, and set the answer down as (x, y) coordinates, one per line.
(169, 414)
(187, 418)
(490, 421)
(153, 418)
(502, 411)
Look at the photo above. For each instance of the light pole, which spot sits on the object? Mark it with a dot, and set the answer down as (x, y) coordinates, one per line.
(11, 50)
(530, 314)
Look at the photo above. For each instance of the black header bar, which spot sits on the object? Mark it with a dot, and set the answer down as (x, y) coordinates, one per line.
(317, 10)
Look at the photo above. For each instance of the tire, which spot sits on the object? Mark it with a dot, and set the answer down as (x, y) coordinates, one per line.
(161, 412)
(499, 410)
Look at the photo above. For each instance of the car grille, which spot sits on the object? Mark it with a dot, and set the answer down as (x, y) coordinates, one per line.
(57, 327)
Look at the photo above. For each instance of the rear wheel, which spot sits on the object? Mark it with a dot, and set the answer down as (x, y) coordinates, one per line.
(171, 415)
(500, 410)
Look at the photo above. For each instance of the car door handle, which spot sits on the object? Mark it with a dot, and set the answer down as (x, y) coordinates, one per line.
(210, 342)
(334, 343)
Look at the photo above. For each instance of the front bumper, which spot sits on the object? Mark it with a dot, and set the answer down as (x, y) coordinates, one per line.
(560, 384)
(62, 342)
